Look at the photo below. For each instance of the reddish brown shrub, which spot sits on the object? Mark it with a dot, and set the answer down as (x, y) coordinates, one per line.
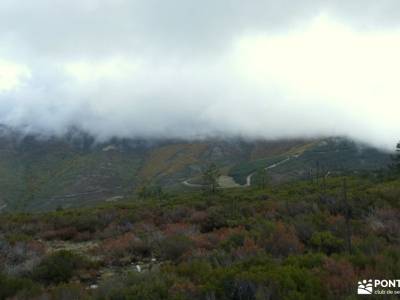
(283, 241)
(179, 229)
(198, 217)
(64, 234)
(338, 276)
(249, 248)
(83, 236)
(118, 244)
(117, 248)
(203, 241)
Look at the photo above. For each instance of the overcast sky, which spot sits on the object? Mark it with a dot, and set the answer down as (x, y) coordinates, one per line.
(180, 68)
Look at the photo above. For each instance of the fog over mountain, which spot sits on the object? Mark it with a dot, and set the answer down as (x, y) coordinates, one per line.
(156, 68)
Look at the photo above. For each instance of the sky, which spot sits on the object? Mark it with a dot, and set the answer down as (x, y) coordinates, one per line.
(189, 69)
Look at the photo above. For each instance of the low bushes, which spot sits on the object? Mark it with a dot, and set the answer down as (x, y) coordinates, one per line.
(59, 267)
(10, 286)
(326, 242)
(175, 246)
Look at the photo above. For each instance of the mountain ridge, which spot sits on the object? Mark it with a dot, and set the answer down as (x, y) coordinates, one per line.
(43, 173)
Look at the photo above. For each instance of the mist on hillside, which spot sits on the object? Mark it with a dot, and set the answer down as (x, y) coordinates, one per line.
(152, 69)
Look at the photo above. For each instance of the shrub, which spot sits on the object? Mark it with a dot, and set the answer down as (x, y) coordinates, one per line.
(234, 241)
(338, 276)
(326, 242)
(284, 241)
(67, 233)
(18, 237)
(119, 246)
(180, 229)
(198, 217)
(175, 246)
(126, 244)
(21, 257)
(10, 286)
(143, 286)
(216, 220)
(59, 267)
(67, 291)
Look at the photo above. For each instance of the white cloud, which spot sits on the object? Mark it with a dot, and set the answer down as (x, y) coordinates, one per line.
(115, 68)
(12, 75)
(354, 74)
(185, 68)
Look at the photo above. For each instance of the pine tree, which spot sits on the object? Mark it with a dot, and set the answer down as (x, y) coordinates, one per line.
(210, 177)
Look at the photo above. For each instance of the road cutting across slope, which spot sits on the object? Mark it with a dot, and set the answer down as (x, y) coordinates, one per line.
(225, 181)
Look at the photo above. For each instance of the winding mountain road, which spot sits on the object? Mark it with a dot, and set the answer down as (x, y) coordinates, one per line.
(249, 177)
(192, 185)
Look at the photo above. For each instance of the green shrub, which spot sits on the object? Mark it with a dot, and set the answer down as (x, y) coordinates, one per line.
(234, 241)
(18, 237)
(175, 246)
(308, 261)
(143, 286)
(10, 286)
(59, 267)
(67, 291)
(326, 242)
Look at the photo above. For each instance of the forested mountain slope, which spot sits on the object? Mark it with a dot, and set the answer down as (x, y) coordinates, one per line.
(41, 173)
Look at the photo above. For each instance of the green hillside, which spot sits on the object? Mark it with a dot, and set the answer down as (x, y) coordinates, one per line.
(326, 156)
(39, 173)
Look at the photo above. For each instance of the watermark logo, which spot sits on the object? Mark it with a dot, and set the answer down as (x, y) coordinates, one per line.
(378, 287)
(365, 287)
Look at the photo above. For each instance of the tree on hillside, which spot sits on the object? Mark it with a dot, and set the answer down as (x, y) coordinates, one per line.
(149, 189)
(261, 178)
(347, 216)
(210, 177)
(143, 190)
(396, 159)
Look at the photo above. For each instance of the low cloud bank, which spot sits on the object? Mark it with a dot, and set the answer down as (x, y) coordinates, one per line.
(272, 69)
